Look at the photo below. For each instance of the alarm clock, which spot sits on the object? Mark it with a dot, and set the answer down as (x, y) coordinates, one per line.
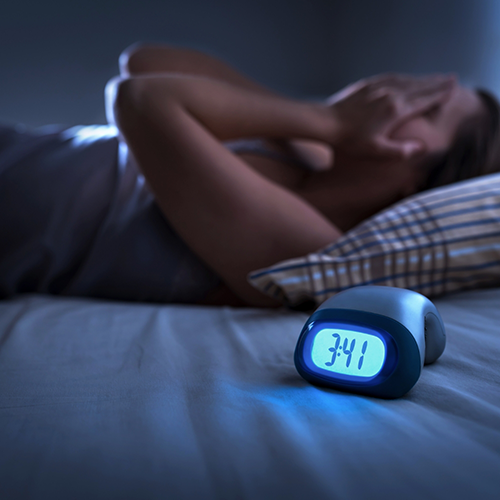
(371, 340)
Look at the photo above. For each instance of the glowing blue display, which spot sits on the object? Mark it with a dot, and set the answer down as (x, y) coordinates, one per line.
(348, 352)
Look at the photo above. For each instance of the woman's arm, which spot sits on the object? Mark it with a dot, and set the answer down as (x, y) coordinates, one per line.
(402, 96)
(232, 217)
(141, 59)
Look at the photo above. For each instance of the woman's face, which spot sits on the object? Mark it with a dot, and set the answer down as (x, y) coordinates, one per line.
(366, 187)
(436, 128)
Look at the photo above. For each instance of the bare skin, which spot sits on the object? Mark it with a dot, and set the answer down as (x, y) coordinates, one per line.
(325, 202)
(370, 185)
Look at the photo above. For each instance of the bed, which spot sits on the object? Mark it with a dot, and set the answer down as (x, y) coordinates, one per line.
(102, 399)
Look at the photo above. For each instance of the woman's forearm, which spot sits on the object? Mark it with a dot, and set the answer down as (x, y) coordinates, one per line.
(142, 59)
(230, 112)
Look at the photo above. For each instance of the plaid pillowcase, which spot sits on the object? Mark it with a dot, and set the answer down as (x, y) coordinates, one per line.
(439, 241)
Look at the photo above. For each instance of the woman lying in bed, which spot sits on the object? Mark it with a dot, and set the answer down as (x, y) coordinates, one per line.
(316, 170)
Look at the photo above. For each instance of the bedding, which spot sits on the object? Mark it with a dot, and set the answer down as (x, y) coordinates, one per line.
(103, 400)
(438, 241)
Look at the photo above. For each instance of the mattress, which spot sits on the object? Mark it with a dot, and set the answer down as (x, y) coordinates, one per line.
(102, 399)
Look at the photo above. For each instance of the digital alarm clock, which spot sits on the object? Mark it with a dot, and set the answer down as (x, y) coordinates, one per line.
(371, 340)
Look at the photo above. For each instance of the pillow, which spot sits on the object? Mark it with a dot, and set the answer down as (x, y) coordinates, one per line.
(438, 241)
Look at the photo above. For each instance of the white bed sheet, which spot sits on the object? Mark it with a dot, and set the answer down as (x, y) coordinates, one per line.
(114, 400)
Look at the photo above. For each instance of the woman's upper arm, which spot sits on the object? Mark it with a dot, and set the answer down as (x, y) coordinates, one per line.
(235, 219)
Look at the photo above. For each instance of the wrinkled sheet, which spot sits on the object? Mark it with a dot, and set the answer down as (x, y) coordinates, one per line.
(117, 400)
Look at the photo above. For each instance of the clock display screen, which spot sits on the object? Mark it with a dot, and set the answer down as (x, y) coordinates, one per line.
(348, 352)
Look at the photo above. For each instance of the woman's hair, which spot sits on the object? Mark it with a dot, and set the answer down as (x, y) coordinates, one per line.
(475, 150)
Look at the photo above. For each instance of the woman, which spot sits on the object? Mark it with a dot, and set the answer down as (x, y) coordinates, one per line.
(235, 210)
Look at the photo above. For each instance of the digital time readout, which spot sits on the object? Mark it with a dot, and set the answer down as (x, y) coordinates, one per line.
(348, 352)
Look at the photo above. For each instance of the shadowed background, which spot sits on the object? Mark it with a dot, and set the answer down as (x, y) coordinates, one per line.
(56, 55)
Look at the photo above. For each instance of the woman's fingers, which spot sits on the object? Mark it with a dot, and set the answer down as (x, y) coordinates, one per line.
(371, 109)
(401, 107)
(411, 90)
(420, 105)
(411, 94)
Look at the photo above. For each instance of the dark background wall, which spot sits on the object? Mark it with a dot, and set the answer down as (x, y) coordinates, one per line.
(56, 55)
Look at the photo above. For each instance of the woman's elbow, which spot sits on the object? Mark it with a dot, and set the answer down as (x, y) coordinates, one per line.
(131, 60)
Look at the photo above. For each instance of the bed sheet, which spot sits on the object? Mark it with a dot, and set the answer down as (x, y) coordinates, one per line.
(118, 400)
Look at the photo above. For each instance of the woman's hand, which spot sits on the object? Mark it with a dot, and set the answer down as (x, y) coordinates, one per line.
(369, 111)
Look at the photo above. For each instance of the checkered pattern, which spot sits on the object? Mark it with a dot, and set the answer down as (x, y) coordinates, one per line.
(435, 242)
